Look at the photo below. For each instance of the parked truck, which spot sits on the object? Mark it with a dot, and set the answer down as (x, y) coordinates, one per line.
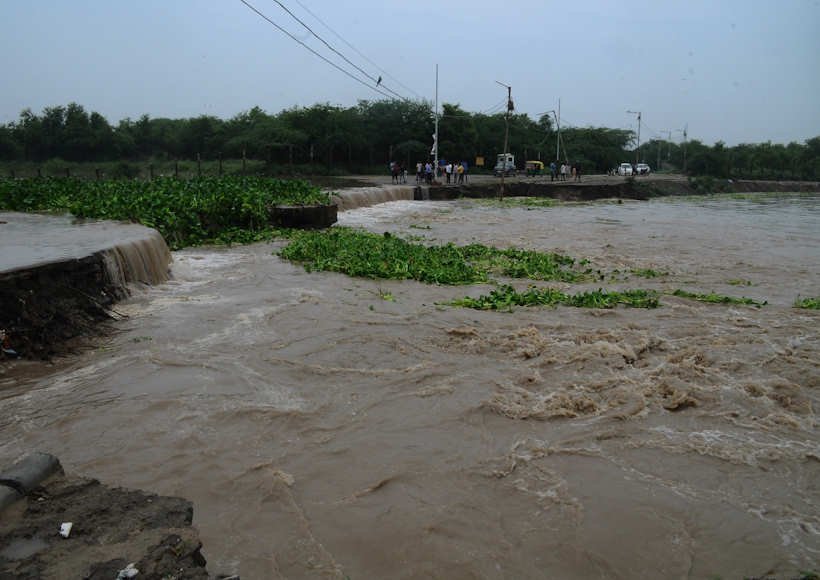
(504, 165)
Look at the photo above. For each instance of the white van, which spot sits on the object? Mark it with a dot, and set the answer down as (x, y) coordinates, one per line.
(625, 169)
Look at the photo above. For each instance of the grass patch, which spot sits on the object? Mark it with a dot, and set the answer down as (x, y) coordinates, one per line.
(368, 255)
(808, 303)
(506, 297)
(713, 298)
(739, 282)
(185, 212)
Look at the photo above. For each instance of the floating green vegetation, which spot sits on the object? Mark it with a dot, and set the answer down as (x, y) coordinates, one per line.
(386, 296)
(739, 282)
(517, 202)
(369, 255)
(713, 298)
(186, 212)
(505, 297)
(648, 273)
(809, 303)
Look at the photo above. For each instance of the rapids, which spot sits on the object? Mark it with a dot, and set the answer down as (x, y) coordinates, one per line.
(323, 431)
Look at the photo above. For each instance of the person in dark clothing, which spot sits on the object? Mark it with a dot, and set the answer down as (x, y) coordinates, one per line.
(577, 172)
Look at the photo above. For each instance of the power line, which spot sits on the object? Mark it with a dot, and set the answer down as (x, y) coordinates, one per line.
(357, 51)
(347, 60)
(330, 62)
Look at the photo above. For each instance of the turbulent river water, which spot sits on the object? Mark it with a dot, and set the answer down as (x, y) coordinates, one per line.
(324, 431)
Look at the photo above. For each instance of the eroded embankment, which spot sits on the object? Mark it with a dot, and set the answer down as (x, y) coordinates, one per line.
(626, 189)
(47, 306)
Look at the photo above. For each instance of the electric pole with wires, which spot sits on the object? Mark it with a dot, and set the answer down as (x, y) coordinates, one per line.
(510, 107)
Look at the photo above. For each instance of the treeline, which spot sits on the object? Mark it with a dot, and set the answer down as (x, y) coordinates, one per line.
(366, 137)
(794, 161)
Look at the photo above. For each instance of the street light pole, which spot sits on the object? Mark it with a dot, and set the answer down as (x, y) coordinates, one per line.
(506, 134)
(637, 151)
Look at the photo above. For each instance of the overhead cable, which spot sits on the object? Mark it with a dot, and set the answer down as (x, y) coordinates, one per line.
(330, 62)
(357, 51)
(347, 60)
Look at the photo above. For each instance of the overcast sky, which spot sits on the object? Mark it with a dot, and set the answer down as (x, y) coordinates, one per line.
(737, 71)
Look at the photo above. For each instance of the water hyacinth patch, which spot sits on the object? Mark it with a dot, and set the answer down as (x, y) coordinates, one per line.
(505, 297)
(808, 303)
(713, 298)
(369, 255)
(185, 212)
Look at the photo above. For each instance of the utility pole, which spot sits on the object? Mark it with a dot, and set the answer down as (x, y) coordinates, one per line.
(435, 148)
(638, 150)
(660, 146)
(558, 137)
(684, 131)
(506, 134)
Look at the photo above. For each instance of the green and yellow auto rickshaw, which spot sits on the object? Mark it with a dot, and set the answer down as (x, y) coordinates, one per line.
(534, 168)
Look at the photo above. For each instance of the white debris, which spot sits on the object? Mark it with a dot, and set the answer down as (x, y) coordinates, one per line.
(128, 572)
(65, 529)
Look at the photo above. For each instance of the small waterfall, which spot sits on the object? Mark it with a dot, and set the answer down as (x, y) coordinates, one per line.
(143, 260)
(367, 196)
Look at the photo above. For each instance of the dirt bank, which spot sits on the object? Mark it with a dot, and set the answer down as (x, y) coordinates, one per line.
(111, 528)
(48, 307)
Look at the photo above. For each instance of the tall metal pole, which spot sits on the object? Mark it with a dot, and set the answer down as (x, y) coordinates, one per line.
(506, 134)
(638, 150)
(558, 136)
(435, 149)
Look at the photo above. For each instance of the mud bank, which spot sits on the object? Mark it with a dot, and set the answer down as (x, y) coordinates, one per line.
(638, 188)
(47, 307)
(111, 528)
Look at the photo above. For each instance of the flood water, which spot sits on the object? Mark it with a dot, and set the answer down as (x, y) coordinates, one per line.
(324, 431)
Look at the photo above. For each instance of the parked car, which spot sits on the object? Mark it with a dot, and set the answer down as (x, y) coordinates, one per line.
(625, 169)
(643, 169)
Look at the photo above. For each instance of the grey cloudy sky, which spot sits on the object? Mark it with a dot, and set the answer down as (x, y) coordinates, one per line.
(738, 71)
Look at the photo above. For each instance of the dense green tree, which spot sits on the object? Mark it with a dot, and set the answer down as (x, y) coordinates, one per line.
(372, 133)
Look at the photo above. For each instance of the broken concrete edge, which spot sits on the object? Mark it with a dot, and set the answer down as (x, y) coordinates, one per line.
(304, 216)
(25, 475)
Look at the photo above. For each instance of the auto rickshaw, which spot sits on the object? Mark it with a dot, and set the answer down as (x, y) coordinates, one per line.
(534, 168)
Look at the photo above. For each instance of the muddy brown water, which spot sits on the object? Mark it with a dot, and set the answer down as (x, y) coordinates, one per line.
(324, 431)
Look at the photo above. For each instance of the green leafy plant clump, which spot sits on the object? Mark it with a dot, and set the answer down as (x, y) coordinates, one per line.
(526, 202)
(186, 212)
(713, 298)
(505, 297)
(808, 303)
(369, 255)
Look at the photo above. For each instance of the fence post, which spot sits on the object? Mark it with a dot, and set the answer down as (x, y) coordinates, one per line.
(151, 172)
(176, 169)
(243, 161)
(12, 173)
(39, 172)
(220, 163)
(67, 172)
(198, 165)
(97, 172)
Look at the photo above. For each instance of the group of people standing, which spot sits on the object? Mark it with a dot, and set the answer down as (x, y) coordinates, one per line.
(453, 172)
(398, 172)
(560, 172)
